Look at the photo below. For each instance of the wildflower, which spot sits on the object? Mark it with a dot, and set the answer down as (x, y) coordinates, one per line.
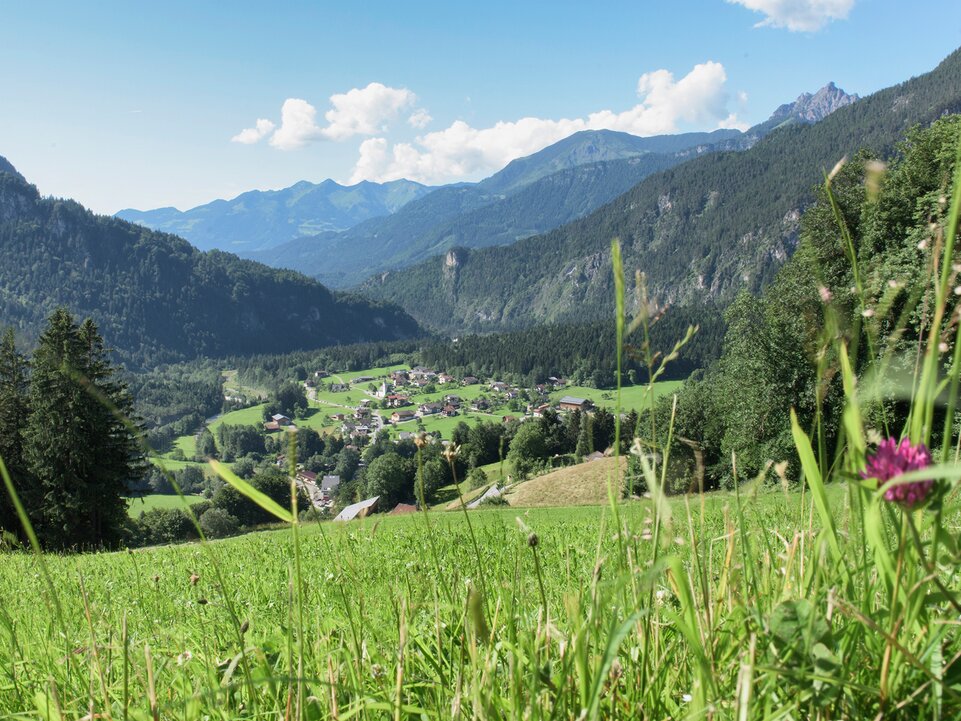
(893, 459)
(184, 658)
(826, 295)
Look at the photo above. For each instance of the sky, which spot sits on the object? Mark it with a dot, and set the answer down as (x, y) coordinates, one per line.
(147, 105)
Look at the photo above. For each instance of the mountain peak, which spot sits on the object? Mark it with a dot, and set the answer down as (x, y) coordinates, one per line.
(7, 167)
(810, 108)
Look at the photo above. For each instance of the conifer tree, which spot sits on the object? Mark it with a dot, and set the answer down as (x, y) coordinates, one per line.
(13, 410)
(78, 448)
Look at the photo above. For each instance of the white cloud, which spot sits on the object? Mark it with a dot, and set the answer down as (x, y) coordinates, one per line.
(419, 119)
(365, 111)
(297, 125)
(361, 111)
(248, 136)
(461, 151)
(798, 15)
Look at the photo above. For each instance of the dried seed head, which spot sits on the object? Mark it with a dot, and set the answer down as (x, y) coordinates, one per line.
(202, 601)
(420, 440)
(943, 347)
(194, 578)
(868, 312)
(837, 168)
(533, 540)
(156, 579)
(450, 453)
(244, 627)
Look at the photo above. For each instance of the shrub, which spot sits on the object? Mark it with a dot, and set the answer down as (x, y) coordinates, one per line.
(217, 523)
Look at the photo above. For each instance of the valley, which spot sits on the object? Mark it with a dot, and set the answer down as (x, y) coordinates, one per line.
(498, 363)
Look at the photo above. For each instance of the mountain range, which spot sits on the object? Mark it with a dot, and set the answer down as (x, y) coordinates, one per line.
(262, 219)
(155, 297)
(531, 195)
(700, 231)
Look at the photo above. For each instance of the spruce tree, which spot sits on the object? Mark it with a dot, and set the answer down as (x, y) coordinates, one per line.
(78, 448)
(13, 411)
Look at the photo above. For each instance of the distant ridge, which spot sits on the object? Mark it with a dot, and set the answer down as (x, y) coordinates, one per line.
(261, 219)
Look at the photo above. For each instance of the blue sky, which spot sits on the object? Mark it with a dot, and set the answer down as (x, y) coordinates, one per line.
(141, 105)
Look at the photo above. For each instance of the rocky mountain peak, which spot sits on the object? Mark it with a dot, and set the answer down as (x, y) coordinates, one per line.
(810, 108)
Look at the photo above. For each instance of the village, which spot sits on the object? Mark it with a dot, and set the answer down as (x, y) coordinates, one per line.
(406, 402)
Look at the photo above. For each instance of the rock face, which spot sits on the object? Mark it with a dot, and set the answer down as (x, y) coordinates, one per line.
(812, 108)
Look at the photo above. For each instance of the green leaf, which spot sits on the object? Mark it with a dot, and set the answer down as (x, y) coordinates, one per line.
(813, 475)
(244, 488)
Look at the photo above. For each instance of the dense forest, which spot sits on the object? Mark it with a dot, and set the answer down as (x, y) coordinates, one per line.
(703, 230)
(155, 298)
(777, 350)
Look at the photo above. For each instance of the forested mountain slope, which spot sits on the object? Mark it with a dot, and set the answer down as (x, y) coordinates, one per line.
(700, 231)
(154, 296)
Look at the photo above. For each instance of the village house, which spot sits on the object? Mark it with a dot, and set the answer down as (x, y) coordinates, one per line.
(401, 416)
(362, 379)
(452, 400)
(276, 422)
(480, 405)
(339, 387)
(498, 386)
(338, 416)
(321, 374)
(329, 486)
(538, 411)
(470, 381)
(571, 403)
(444, 378)
(399, 378)
(397, 400)
(429, 409)
(449, 411)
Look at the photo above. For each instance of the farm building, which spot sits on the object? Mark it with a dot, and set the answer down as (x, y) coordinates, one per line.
(570, 403)
(492, 492)
(358, 510)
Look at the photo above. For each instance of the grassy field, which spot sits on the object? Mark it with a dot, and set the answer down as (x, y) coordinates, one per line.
(252, 416)
(722, 602)
(631, 396)
(580, 485)
(136, 506)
